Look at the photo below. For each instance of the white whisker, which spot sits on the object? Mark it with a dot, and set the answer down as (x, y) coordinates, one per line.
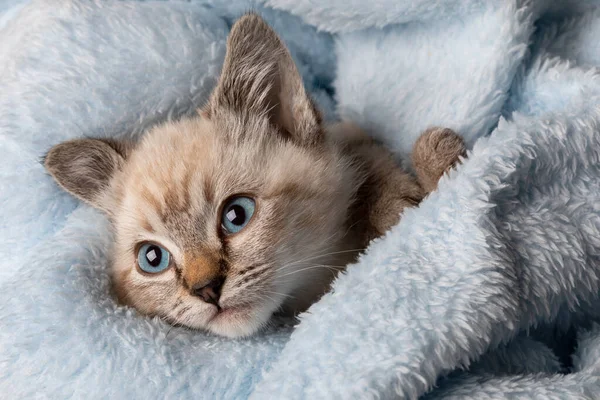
(280, 294)
(332, 268)
(318, 256)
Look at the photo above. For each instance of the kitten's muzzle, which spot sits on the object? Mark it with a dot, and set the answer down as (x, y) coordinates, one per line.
(209, 291)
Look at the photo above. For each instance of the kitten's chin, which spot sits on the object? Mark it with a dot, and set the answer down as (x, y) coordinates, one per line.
(239, 322)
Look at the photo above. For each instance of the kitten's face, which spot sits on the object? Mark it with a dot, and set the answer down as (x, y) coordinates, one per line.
(177, 187)
(223, 218)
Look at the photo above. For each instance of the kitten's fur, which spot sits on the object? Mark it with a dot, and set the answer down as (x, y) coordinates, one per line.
(320, 195)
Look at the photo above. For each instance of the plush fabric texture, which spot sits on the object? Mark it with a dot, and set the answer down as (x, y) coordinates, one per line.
(489, 289)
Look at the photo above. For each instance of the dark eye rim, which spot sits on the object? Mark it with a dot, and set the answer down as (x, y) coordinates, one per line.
(136, 251)
(220, 228)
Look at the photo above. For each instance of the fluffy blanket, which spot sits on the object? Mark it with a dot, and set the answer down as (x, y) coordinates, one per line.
(489, 289)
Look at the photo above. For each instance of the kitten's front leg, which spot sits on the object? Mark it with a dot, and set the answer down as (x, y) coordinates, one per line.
(392, 189)
(389, 189)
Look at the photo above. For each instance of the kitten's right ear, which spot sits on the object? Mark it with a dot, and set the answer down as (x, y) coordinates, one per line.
(259, 77)
(85, 168)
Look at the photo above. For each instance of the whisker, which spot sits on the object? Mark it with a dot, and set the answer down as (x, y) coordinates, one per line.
(263, 297)
(325, 241)
(320, 255)
(332, 268)
(280, 294)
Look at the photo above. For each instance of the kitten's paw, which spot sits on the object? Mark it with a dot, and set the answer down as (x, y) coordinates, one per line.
(436, 151)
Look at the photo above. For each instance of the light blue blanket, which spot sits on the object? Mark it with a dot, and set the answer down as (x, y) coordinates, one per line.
(490, 289)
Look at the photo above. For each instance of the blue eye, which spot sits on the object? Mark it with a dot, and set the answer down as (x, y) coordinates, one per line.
(153, 259)
(236, 214)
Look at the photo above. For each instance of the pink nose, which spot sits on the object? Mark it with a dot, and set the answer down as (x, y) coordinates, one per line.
(210, 290)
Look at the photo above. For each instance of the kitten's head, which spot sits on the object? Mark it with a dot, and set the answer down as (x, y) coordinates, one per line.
(223, 218)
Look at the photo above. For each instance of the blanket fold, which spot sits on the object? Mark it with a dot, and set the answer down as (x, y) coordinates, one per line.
(489, 289)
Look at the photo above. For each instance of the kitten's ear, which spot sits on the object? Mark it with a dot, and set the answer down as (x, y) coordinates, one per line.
(259, 77)
(85, 167)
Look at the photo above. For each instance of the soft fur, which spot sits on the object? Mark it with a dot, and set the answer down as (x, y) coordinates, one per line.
(497, 270)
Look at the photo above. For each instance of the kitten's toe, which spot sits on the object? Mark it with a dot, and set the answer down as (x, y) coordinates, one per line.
(435, 152)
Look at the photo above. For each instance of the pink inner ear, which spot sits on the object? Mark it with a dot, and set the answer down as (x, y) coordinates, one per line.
(294, 112)
(280, 111)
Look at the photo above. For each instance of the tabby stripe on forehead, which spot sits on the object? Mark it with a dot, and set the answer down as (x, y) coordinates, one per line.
(151, 199)
(185, 186)
(208, 189)
(173, 205)
(177, 197)
(147, 226)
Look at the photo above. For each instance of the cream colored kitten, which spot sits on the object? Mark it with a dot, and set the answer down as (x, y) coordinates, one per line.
(252, 206)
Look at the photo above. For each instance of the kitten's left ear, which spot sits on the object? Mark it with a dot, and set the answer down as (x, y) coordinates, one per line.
(259, 77)
(85, 168)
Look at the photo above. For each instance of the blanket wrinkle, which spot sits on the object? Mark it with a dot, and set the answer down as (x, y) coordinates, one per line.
(489, 289)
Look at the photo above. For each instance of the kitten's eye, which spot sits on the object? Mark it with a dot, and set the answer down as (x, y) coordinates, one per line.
(236, 214)
(152, 258)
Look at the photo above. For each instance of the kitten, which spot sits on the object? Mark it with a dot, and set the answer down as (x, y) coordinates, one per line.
(250, 207)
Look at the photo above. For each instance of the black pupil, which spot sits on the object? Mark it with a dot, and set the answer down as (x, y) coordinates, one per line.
(236, 214)
(153, 256)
